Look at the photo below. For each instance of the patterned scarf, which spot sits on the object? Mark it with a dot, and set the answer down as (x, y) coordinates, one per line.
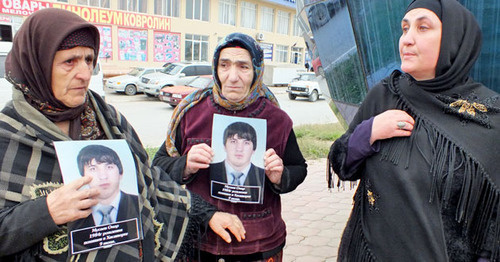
(166, 209)
(29, 65)
(258, 88)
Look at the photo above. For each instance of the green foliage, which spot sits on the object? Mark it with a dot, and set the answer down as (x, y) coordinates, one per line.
(151, 152)
(314, 140)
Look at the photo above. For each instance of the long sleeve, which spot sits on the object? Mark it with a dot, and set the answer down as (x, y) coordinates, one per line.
(295, 170)
(199, 214)
(20, 229)
(348, 153)
(174, 166)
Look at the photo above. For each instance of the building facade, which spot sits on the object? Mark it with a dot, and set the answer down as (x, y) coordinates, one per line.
(357, 42)
(156, 32)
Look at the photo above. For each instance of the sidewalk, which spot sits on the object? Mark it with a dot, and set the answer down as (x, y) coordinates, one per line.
(315, 217)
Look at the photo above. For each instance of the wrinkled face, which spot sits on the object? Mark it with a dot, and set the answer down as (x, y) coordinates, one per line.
(71, 72)
(420, 43)
(106, 177)
(235, 73)
(239, 152)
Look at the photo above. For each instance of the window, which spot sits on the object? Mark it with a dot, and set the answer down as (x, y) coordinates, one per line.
(197, 9)
(140, 6)
(204, 70)
(296, 57)
(227, 12)
(248, 15)
(281, 53)
(196, 48)
(167, 7)
(98, 3)
(188, 71)
(6, 33)
(297, 31)
(267, 19)
(283, 22)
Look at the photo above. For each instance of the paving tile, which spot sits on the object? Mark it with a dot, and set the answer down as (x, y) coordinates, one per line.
(315, 217)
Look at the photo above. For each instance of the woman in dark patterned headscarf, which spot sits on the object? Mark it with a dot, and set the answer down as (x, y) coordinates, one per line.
(238, 67)
(425, 147)
(50, 65)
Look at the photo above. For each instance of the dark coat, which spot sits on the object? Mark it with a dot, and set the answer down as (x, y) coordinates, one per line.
(128, 209)
(255, 177)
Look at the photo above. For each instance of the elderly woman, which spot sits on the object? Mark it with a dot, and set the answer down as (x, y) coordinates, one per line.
(50, 66)
(238, 91)
(425, 147)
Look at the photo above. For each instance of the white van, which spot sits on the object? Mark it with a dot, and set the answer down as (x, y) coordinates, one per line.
(97, 80)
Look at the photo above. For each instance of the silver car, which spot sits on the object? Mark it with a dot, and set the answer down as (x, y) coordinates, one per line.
(172, 75)
(128, 83)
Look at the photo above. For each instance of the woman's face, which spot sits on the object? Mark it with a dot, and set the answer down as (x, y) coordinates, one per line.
(420, 43)
(71, 72)
(235, 71)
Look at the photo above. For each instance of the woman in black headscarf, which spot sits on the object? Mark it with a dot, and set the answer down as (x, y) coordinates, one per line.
(425, 147)
(50, 66)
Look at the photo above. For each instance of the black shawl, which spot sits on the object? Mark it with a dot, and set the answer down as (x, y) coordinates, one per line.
(433, 196)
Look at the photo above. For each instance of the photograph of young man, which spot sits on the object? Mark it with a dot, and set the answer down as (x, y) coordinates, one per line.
(240, 142)
(105, 167)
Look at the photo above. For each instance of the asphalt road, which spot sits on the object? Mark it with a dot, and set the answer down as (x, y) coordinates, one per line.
(150, 117)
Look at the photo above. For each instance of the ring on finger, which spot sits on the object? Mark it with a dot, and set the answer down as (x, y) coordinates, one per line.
(401, 124)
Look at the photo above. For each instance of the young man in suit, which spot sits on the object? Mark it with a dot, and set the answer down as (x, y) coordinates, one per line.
(105, 167)
(240, 142)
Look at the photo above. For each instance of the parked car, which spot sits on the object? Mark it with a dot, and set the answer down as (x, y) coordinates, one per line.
(96, 83)
(304, 86)
(172, 75)
(174, 94)
(128, 83)
(316, 63)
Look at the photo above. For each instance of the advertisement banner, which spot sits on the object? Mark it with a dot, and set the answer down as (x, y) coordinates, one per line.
(91, 14)
(167, 47)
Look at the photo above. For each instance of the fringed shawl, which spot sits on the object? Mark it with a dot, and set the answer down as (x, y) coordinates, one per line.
(29, 170)
(445, 175)
(441, 185)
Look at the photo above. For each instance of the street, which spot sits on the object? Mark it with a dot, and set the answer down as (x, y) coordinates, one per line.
(150, 117)
(315, 216)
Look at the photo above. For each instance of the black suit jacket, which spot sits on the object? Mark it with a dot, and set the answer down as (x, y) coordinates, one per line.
(129, 208)
(255, 177)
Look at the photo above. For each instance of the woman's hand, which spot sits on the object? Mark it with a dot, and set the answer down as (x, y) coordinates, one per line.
(273, 166)
(221, 221)
(391, 123)
(198, 157)
(68, 203)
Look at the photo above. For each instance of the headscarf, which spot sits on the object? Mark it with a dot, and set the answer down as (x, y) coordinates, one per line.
(29, 64)
(433, 5)
(462, 118)
(461, 42)
(257, 89)
(454, 152)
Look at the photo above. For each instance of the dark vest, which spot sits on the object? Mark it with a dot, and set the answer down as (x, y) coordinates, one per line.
(265, 228)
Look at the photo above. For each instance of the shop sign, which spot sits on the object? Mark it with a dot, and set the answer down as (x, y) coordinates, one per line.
(91, 14)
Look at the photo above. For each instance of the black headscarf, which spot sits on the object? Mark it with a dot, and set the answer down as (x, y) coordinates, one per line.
(460, 43)
(463, 116)
(436, 192)
(29, 64)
